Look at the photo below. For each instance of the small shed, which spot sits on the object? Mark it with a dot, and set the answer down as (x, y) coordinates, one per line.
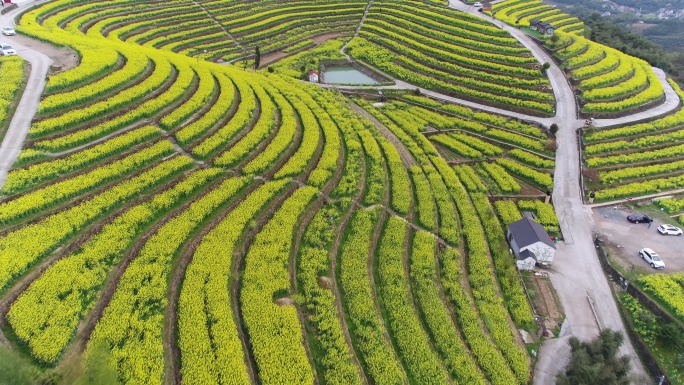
(487, 6)
(545, 28)
(534, 23)
(313, 76)
(530, 243)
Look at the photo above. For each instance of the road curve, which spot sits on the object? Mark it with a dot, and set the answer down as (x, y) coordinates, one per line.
(576, 274)
(28, 104)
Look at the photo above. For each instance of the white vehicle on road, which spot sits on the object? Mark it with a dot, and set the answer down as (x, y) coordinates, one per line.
(652, 258)
(8, 31)
(7, 50)
(669, 230)
(477, 5)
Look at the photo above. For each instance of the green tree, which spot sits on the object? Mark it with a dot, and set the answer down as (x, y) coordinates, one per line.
(596, 362)
(671, 336)
(257, 57)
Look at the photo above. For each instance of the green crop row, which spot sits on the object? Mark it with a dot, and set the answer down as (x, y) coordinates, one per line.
(456, 358)
(541, 179)
(54, 194)
(400, 184)
(514, 296)
(261, 130)
(471, 181)
(640, 172)
(314, 260)
(147, 109)
(531, 159)
(483, 284)
(668, 290)
(503, 179)
(425, 204)
(43, 317)
(274, 330)
(422, 364)
(162, 72)
(663, 153)
(640, 188)
(508, 211)
(211, 352)
(457, 146)
(365, 324)
(241, 118)
(131, 325)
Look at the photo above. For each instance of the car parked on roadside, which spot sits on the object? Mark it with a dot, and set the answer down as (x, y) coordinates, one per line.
(8, 31)
(477, 5)
(639, 218)
(7, 50)
(652, 258)
(669, 230)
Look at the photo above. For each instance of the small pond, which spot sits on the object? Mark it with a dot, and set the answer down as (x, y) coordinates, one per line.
(347, 75)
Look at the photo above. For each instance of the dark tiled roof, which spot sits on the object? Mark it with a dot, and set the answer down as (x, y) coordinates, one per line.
(527, 232)
(526, 254)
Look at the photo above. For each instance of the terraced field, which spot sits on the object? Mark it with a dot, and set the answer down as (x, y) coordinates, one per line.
(457, 54)
(519, 13)
(206, 224)
(608, 82)
(635, 160)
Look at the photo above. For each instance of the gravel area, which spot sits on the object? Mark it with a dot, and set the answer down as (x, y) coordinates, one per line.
(628, 238)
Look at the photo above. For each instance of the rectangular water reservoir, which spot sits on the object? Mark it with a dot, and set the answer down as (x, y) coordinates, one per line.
(347, 75)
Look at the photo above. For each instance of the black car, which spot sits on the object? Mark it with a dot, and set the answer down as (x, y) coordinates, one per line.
(639, 218)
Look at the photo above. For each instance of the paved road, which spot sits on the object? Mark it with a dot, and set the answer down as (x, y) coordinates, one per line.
(576, 273)
(28, 105)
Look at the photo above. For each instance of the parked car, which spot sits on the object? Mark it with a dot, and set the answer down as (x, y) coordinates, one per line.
(639, 218)
(477, 5)
(8, 31)
(652, 258)
(7, 50)
(669, 230)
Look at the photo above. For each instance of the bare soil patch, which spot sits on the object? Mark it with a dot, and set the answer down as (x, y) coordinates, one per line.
(63, 57)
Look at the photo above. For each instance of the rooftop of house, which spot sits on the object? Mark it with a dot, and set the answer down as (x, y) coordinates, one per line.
(528, 232)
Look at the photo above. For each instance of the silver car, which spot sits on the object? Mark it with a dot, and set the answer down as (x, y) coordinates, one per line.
(652, 258)
(8, 31)
(7, 50)
(669, 230)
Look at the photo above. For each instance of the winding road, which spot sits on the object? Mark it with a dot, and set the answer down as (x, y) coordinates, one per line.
(28, 105)
(576, 274)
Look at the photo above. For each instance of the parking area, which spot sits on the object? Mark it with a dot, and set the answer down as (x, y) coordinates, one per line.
(628, 238)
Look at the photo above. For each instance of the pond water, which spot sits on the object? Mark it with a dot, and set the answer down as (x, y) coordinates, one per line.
(347, 75)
